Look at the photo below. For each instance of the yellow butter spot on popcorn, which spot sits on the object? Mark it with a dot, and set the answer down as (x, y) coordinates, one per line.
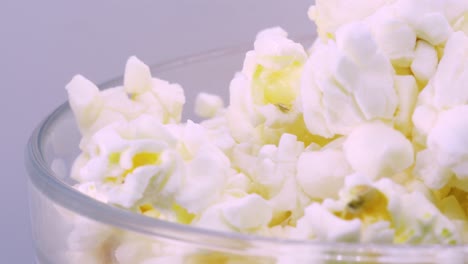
(367, 204)
(112, 179)
(149, 210)
(461, 198)
(278, 87)
(403, 236)
(299, 129)
(145, 208)
(145, 158)
(183, 216)
(281, 218)
(114, 157)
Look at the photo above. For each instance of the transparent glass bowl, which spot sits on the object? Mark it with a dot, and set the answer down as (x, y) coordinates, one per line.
(69, 227)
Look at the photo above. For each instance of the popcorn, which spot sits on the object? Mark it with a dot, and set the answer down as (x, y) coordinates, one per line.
(425, 61)
(352, 86)
(446, 144)
(394, 37)
(379, 232)
(407, 91)
(90, 241)
(426, 18)
(208, 105)
(321, 173)
(450, 77)
(265, 92)
(361, 139)
(137, 77)
(318, 223)
(419, 221)
(329, 15)
(248, 212)
(205, 177)
(84, 100)
(391, 151)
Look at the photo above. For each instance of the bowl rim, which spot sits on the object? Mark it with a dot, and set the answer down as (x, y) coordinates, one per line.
(44, 179)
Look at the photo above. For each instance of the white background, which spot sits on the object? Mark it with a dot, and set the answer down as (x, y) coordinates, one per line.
(44, 43)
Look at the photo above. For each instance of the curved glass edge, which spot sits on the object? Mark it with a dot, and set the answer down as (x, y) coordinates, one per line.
(44, 180)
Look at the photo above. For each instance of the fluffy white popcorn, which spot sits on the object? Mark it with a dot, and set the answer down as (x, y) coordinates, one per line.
(394, 37)
(212, 218)
(273, 174)
(445, 156)
(265, 93)
(137, 77)
(450, 79)
(141, 95)
(329, 15)
(219, 133)
(134, 249)
(238, 182)
(122, 158)
(445, 89)
(407, 91)
(360, 139)
(379, 232)
(439, 119)
(425, 61)
(84, 100)
(427, 19)
(321, 173)
(236, 211)
(156, 96)
(208, 105)
(319, 223)
(419, 221)
(171, 98)
(251, 211)
(205, 178)
(90, 241)
(391, 151)
(275, 164)
(347, 82)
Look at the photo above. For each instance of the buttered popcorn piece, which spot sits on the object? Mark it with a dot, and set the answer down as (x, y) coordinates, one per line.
(122, 158)
(274, 58)
(265, 93)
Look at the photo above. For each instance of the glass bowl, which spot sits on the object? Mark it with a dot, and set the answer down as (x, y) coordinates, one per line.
(69, 227)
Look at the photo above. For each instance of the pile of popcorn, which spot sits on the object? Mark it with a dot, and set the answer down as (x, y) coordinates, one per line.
(361, 138)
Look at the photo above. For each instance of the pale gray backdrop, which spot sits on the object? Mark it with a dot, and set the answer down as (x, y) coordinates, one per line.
(44, 43)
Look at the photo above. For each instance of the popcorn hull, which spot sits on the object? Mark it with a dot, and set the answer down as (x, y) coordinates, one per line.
(69, 227)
